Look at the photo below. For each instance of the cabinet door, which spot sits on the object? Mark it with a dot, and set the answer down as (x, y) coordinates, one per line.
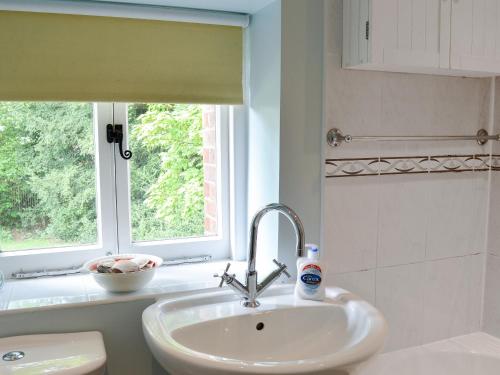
(408, 33)
(475, 35)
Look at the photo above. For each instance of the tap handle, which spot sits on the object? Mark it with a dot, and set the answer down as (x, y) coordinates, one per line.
(283, 267)
(222, 276)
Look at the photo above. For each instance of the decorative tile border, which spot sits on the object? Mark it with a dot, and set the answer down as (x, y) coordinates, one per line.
(411, 165)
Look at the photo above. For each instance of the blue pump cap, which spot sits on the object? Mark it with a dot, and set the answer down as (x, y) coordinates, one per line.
(312, 247)
(312, 251)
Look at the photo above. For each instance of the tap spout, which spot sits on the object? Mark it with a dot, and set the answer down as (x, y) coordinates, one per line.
(254, 228)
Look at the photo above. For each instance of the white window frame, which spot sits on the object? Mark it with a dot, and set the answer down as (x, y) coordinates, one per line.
(218, 246)
(113, 202)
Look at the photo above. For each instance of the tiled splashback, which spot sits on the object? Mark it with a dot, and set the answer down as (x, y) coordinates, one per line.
(411, 243)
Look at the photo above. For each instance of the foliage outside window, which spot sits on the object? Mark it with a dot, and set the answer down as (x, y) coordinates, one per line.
(167, 171)
(48, 174)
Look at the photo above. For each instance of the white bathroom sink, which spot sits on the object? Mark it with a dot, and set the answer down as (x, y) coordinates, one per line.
(211, 333)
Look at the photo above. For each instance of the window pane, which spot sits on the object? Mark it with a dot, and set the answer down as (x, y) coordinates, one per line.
(173, 171)
(47, 175)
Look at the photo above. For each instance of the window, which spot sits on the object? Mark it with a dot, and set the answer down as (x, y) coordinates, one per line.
(65, 189)
(47, 179)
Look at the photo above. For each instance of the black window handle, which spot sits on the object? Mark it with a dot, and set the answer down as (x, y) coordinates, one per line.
(114, 134)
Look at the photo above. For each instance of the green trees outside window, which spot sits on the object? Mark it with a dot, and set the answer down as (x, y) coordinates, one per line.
(48, 174)
(166, 171)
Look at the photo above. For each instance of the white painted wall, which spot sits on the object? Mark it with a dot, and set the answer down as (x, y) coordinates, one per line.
(264, 39)
(284, 165)
(120, 324)
(413, 245)
(285, 123)
(301, 121)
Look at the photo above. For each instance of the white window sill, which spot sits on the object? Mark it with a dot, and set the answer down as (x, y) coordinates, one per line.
(81, 290)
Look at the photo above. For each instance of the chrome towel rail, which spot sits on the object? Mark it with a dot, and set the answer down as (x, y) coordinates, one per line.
(335, 137)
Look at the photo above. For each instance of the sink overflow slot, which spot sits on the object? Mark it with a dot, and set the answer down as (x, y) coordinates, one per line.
(13, 356)
(260, 326)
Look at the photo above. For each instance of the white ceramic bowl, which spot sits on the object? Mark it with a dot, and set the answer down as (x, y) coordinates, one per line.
(123, 282)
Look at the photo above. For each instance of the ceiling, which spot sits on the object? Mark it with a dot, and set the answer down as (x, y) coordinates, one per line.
(238, 6)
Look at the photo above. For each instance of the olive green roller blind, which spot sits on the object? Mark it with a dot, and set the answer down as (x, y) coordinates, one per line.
(64, 57)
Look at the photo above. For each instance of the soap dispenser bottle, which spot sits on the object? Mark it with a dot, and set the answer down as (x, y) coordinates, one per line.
(310, 275)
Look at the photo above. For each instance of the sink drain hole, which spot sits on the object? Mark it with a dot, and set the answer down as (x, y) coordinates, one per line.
(260, 326)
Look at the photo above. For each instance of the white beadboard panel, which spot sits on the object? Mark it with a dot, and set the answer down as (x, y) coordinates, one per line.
(452, 297)
(355, 44)
(402, 219)
(456, 206)
(351, 215)
(404, 23)
(419, 12)
(364, 16)
(494, 216)
(444, 34)
(400, 297)
(461, 31)
(479, 26)
(351, 10)
(496, 122)
(361, 283)
(406, 33)
(491, 318)
(446, 37)
(475, 35)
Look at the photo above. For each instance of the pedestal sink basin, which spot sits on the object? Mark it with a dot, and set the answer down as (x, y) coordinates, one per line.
(212, 334)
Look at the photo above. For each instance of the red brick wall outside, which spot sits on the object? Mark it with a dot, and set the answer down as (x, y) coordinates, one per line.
(210, 168)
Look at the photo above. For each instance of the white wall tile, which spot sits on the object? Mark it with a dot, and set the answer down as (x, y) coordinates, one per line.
(496, 122)
(400, 297)
(351, 215)
(438, 221)
(456, 214)
(402, 219)
(408, 103)
(349, 91)
(494, 215)
(453, 297)
(491, 318)
(361, 283)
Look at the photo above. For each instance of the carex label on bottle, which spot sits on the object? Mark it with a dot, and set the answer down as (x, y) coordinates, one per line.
(311, 277)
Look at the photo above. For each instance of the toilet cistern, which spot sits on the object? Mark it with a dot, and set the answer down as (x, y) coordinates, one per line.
(252, 288)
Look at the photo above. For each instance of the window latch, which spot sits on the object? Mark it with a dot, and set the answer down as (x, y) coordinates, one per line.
(114, 134)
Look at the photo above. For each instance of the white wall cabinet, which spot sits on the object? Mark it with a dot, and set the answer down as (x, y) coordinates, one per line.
(449, 37)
